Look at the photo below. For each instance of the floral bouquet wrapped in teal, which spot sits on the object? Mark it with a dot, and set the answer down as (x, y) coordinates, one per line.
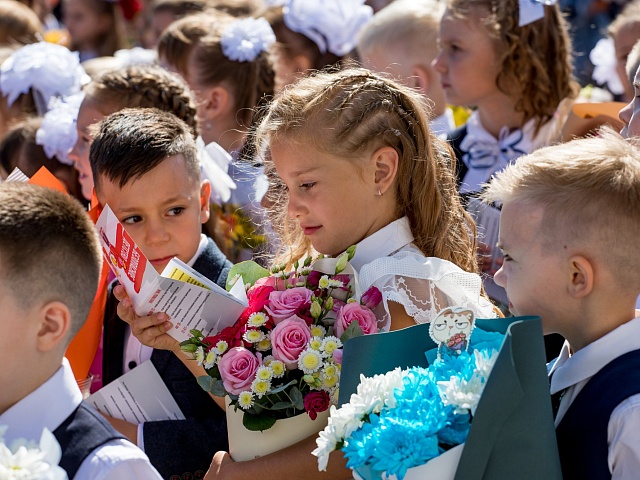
(282, 357)
(432, 411)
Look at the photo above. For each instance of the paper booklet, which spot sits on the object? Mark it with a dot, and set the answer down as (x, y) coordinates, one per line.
(138, 396)
(191, 300)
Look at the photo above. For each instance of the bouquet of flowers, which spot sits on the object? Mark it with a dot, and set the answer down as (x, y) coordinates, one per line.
(283, 356)
(405, 418)
(28, 460)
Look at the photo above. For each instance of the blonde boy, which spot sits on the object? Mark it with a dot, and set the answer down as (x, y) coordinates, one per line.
(402, 40)
(49, 267)
(569, 232)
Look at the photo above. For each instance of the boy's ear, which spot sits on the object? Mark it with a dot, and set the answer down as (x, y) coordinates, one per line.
(581, 277)
(421, 80)
(55, 323)
(301, 63)
(205, 195)
(385, 161)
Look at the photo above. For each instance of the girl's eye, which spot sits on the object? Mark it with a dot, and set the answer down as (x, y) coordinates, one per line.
(308, 185)
(176, 211)
(132, 219)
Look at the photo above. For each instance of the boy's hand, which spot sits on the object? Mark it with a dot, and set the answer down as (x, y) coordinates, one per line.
(129, 430)
(150, 331)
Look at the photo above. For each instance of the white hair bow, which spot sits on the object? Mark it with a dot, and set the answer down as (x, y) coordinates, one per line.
(532, 10)
(243, 40)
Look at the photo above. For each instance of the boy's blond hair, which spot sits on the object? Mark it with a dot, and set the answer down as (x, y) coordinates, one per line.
(589, 189)
(406, 27)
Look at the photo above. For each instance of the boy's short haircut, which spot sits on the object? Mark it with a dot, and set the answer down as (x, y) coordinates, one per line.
(406, 26)
(49, 250)
(133, 141)
(589, 189)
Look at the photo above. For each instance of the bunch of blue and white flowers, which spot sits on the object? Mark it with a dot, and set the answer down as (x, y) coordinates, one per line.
(404, 418)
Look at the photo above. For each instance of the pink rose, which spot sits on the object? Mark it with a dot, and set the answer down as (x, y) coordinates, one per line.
(371, 298)
(337, 356)
(359, 313)
(316, 402)
(284, 304)
(289, 339)
(238, 368)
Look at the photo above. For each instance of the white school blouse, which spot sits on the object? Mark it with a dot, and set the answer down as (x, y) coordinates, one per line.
(390, 261)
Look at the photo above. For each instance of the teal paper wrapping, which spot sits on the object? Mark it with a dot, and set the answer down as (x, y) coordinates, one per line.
(512, 435)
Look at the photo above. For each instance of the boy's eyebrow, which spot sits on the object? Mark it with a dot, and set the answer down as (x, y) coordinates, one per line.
(176, 198)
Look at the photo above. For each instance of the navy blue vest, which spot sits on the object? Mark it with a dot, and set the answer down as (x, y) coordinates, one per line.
(80, 434)
(582, 432)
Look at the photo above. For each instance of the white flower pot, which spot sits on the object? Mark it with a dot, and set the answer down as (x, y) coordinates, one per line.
(442, 467)
(246, 445)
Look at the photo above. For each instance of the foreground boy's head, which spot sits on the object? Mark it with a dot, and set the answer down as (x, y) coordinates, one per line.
(402, 40)
(50, 262)
(145, 167)
(569, 232)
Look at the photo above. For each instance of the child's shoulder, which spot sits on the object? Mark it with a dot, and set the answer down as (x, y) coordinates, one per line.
(212, 263)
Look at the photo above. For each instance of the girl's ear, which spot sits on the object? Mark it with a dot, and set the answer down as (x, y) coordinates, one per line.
(218, 102)
(385, 162)
(581, 277)
(55, 323)
(205, 194)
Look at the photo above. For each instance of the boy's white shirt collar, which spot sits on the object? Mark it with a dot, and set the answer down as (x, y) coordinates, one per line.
(570, 369)
(382, 243)
(28, 417)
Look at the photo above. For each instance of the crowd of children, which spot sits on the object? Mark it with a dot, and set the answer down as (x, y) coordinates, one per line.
(224, 130)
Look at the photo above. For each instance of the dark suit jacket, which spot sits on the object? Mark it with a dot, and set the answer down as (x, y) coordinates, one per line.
(175, 447)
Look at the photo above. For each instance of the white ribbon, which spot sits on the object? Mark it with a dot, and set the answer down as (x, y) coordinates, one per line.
(532, 10)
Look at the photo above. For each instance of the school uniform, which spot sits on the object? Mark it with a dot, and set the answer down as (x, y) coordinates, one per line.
(177, 448)
(598, 417)
(91, 448)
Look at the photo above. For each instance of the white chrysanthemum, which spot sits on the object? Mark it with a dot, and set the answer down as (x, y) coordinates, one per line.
(221, 347)
(329, 381)
(243, 40)
(260, 387)
(331, 344)
(318, 331)
(485, 362)
(264, 344)
(327, 442)
(264, 373)
(463, 395)
(245, 400)
(375, 392)
(199, 355)
(310, 361)
(323, 282)
(345, 420)
(315, 343)
(278, 368)
(210, 359)
(330, 370)
(25, 460)
(257, 319)
(253, 336)
(336, 283)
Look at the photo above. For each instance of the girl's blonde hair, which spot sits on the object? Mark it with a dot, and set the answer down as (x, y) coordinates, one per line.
(144, 86)
(251, 83)
(113, 39)
(536, 58)
(353, 113)
(18, 24)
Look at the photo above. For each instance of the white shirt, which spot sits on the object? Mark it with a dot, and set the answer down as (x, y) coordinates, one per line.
(136, 353)
(383, 243)
(572, 372)
(50, 405)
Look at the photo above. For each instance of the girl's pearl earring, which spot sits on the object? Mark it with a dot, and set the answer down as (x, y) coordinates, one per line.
(379, 192)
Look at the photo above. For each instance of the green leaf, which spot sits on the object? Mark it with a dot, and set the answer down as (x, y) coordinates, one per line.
(281, 406)
(188, 347)
(212, 385)
(257, 423)
(296, 398)
(196, 333)
(281, 387)
(353, 330)
(250, 272)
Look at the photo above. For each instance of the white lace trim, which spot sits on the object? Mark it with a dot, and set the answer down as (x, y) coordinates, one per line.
(424, 286)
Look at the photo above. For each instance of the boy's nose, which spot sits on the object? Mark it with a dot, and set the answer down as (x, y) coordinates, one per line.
(626, 113)
(438, 63)
(499, 278)
(156, 232)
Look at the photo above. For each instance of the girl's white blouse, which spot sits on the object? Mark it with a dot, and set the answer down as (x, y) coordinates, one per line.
(390, 261)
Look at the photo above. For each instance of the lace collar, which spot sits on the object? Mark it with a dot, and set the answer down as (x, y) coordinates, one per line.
(383, 243)
(485, 155)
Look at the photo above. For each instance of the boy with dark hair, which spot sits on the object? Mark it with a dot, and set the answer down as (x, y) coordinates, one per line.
(569, 231)
(49, 268)
(145, 167)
